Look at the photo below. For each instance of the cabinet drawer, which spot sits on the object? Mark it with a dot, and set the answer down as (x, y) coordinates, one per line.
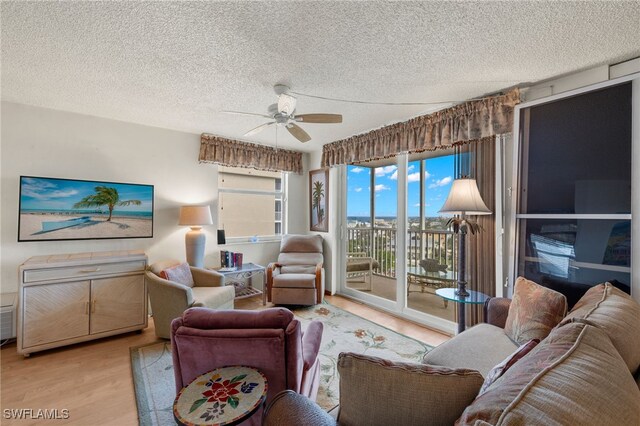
(82, 272)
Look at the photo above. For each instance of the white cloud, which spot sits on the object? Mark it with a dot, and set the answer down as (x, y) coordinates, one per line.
(411, 167)
(411, 177)
(416, 205)
(441, 182)
(381, 187)
(415, 177)
(381, 171)
(357, 170)
(357, 189)
(42, 190)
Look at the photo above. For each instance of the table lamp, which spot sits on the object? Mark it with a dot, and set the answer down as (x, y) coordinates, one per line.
(195, 217)
(463, 199)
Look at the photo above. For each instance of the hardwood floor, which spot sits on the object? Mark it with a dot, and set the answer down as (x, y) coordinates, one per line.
(93, 380)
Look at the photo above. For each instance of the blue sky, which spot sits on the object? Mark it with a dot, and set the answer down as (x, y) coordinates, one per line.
(60, 194)
(439, 176)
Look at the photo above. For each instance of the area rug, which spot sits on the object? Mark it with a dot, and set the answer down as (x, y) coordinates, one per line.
(343, 332)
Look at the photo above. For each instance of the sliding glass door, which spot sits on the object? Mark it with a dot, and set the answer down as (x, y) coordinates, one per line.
(398, 250)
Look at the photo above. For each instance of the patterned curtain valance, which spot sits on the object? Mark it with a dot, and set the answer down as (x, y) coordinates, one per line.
(468, 121)
(227, 152)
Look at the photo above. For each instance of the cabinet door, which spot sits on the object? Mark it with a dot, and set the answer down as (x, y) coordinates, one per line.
(54, 312)
(117, 303)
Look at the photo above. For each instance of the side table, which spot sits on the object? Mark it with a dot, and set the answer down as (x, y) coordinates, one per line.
(246, 272)
(474, 298)
(224, 396)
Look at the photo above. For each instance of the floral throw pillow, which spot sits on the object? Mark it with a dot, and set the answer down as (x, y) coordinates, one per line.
(534, 311)
(180, 274)
(497, 371)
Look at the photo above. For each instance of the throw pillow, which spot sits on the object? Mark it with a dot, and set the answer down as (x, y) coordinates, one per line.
(534, 311)
(180, 274)
(375, 391)
(502, 368)
(573, 377)
(615, 312)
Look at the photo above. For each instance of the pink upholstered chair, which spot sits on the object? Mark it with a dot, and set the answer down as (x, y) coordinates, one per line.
(297, 278)
(270, 340)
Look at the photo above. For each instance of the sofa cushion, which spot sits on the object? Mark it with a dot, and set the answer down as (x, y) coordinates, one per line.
(301, 243)
(306, 259)
(356, 264)
(574, 376)
(618, 315)
(213, 297)
(375, 391)
(497, 371)
(479, 348)
(534, 311)
(161, 265)
(298, 269)
(180, 274)
(294, 281)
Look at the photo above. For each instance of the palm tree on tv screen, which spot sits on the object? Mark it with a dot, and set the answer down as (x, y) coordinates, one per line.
(105, 196)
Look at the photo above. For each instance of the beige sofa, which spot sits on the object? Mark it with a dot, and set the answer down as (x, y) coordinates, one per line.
(584, 372)
(170, 299)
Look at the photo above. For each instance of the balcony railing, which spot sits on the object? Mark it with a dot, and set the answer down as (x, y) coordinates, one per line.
(380, 243)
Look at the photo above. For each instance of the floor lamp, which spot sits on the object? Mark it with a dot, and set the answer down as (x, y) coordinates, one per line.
(464, 199)
(195, 217)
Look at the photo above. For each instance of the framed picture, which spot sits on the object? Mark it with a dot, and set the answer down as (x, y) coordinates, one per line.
(69, 209)
(319, 200)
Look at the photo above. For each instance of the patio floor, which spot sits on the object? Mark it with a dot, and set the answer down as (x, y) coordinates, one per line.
(422, 299)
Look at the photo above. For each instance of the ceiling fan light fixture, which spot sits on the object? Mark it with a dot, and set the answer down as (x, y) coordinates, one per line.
(286, 104)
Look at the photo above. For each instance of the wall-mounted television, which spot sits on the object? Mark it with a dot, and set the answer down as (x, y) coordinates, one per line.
(68, 209)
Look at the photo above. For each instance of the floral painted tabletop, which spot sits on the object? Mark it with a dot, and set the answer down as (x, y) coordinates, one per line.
(224, 396)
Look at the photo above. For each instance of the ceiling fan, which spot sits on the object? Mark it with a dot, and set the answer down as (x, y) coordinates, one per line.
(283, 114)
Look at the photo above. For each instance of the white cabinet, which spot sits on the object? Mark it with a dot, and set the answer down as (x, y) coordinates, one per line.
(72, 298)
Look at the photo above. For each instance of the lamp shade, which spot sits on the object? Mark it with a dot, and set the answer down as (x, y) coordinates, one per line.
(195, 216)
(464, 198)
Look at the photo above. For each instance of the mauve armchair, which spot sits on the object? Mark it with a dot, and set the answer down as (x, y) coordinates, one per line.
(270, 340)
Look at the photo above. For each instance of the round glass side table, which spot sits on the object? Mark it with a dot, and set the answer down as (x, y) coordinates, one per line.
(474, 298)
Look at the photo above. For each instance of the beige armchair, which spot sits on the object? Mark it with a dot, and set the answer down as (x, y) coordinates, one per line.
(297, 278)
(170, 299)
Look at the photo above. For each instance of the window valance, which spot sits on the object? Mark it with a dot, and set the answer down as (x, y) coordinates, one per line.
(471, 120)
(228, 152)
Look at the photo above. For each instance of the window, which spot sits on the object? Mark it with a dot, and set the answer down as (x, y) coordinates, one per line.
(251, 202)
(574, 210)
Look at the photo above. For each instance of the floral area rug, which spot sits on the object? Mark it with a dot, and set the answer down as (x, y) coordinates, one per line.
(343, 332)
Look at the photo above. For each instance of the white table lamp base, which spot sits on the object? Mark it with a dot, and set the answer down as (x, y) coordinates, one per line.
(195, 241)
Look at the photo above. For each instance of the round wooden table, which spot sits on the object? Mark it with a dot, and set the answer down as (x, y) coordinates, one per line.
(224, 396)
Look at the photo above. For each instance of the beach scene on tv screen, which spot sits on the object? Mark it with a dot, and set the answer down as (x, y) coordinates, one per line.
(60, 209)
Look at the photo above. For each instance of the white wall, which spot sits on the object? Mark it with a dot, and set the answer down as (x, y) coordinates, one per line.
(43, 142)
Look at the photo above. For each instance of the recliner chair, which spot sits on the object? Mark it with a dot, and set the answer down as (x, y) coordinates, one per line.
(297, 278)
(270, 340)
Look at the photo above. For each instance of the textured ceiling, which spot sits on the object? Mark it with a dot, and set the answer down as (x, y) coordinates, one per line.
(176, 65)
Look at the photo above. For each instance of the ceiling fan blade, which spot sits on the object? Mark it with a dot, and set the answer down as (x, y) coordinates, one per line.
(298, 133)
(246, 113)
(319, 118)
(286, 104)
(259, 128)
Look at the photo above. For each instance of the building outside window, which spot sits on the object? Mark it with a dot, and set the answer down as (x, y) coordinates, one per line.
(251, 203)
